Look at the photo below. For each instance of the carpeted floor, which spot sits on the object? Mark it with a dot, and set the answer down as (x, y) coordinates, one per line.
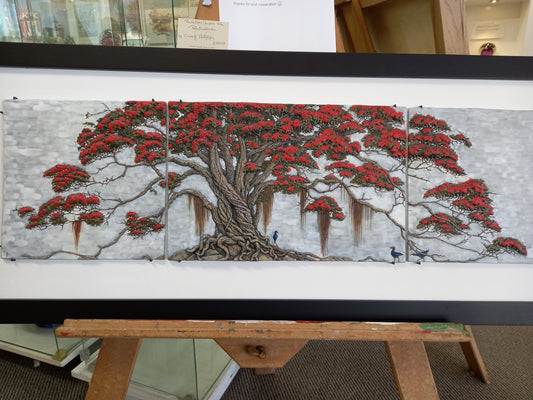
(329, 370)
(20, 380)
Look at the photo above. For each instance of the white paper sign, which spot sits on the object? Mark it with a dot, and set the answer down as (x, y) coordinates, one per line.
(201, 34)
(280, 25)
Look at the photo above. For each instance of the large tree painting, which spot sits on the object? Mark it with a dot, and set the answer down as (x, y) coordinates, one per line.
(258, 182)
(268, 175)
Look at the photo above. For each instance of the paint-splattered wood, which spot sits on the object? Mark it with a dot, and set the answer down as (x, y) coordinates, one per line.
(113, 369)
(473, 358)
(434, 332)
(411, 369)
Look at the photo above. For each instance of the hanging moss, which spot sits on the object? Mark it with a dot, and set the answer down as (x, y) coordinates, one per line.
(200, 214)
(76, 229)
(361, 217)
(268, 203)
(323, 228)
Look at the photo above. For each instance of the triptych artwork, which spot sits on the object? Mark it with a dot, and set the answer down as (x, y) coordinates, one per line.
(265, 182)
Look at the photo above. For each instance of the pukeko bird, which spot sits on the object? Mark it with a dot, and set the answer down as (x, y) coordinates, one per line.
(420, 255)
(395, 255)
(275, 236)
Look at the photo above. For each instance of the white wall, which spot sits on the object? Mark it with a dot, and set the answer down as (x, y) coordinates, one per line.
(408, 281)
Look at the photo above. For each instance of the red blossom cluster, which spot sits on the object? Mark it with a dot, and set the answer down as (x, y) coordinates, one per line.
(392, 141)
(333, 145)
(291, 155)
(378, 112)
(249, 167)
(290, 184)
(507, 245)
(326, 204)
(444, 223)
(192, 128)
(173, 181)
(80, 200)
(24, 210)
(428, 123)
(430, 144)
(140, 226)
(94, 218)
(368, 175)
(461, 138)
(471, 196)
(116, 130)
(326, 114)
(382, 133)
(149, 151)
(53, 212)
(136, 110)
(66, 176)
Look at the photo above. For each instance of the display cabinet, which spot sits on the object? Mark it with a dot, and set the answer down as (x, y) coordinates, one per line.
(40, 343)
(150, 23)
(173, 369)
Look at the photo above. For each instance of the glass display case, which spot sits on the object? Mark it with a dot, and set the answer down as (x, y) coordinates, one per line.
(94, 22)
(40, 343)
(173, 369)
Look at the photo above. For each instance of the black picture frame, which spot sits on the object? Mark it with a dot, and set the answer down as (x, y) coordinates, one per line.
(146, 59)
(466, 312)
(20, 55)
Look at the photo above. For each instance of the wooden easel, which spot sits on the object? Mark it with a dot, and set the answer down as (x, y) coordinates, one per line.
(267, 345)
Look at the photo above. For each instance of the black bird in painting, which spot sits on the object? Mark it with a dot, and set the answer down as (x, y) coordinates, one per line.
(275, 236)
(420, 255)
(395, 255)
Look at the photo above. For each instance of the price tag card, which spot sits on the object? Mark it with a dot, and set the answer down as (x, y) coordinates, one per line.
(202, 34)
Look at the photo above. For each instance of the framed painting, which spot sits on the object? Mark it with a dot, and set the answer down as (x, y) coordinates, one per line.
(440, 288)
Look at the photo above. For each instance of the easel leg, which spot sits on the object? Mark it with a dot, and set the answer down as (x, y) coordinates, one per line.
(473, 357)
(411, 369)
(113, 370)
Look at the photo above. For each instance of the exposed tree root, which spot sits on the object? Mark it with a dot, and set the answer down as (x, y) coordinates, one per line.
(240, 248)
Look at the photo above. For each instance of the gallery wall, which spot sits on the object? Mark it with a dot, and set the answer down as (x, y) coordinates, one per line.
(340, 280)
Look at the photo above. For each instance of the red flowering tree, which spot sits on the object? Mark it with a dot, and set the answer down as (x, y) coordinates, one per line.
(138, 130)
(244, 153)
(459, 213)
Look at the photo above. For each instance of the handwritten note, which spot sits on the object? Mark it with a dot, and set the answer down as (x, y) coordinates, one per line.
(283, 25)
(201, 34)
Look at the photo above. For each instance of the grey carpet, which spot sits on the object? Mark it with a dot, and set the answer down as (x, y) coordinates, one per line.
(19, 380)
(329, 370)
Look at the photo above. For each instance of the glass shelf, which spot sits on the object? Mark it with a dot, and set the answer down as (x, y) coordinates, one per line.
(146, 23)
(40, 343)
(173, 369)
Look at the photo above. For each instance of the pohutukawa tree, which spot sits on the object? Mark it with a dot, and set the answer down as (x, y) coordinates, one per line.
(245, 153)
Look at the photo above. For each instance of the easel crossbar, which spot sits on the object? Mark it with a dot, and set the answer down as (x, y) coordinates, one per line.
(428, 332)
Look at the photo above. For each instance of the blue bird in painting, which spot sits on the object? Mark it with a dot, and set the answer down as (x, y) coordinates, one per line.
(275, 236)
(395, 255)
(420, 255)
